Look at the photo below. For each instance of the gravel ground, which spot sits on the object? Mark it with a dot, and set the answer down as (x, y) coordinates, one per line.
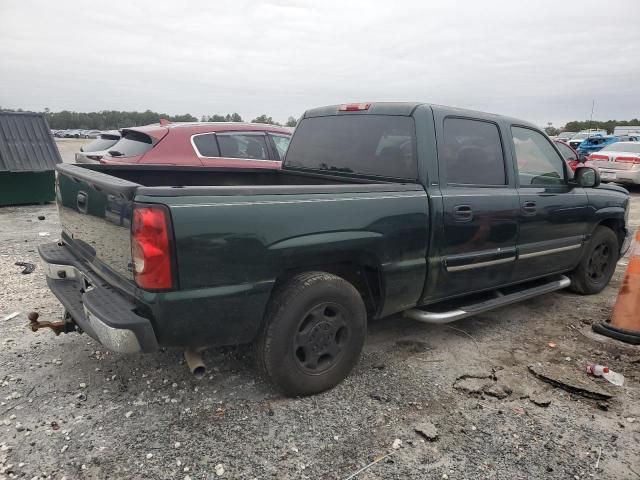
(70, 409)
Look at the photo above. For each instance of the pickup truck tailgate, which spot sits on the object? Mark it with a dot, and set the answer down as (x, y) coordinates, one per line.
(95, 212)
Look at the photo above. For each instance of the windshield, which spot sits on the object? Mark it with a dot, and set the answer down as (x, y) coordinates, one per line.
(580, 136)
(381, 145)
(131, 144)
(101, 143)
(622, 147)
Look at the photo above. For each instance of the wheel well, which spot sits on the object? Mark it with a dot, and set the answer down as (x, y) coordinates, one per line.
(366, 279)
(617, 226)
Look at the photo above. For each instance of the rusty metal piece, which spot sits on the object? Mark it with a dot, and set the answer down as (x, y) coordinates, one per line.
(195, 362)
(28, 267)
(57, 327)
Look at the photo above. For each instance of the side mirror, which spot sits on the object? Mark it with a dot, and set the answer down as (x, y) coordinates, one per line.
(586, 177)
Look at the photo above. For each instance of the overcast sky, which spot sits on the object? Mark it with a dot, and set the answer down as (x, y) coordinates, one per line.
(538, 60)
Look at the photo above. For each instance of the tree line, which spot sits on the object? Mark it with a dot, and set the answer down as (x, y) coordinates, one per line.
(577, 125)
(115, 119)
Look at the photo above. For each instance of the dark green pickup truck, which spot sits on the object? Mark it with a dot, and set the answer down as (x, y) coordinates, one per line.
(380, 208)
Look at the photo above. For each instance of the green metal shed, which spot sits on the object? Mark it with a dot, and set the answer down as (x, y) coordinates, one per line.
(28, 157)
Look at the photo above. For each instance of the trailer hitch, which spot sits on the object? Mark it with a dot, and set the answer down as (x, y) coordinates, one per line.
(61, 326)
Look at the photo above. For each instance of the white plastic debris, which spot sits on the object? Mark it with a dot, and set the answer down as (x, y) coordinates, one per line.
(11, 315)
(219, 469)
(396, 444)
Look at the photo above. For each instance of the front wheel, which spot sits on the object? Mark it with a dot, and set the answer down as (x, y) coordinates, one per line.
(314, 331)
(597, 264)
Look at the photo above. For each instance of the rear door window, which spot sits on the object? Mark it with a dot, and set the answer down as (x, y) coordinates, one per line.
(132, 144)
(235, 145)
(380, 145)
(472, 153)
(537, 160)
(282, 143)
(206, 145)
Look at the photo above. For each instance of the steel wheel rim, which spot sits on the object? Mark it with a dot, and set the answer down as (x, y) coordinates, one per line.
(321, 337)
(599, 262)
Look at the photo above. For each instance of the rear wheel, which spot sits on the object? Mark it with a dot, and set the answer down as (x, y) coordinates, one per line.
(597, 264)
(314, 331)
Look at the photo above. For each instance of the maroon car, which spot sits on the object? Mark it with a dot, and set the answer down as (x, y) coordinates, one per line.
(239, 145)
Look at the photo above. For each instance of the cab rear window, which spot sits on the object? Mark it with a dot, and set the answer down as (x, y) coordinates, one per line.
(380, 145)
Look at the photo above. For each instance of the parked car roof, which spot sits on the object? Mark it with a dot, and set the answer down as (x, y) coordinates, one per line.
(158, 131)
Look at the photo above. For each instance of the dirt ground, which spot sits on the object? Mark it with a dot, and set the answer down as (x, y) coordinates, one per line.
(69, 146)
(70, 409)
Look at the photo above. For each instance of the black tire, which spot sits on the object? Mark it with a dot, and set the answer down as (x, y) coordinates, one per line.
(598, 263)
(314, 330)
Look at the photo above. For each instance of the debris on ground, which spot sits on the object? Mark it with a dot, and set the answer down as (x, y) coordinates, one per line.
(604, 372)
(28, 267)
(552, 344)
(41, 217)
(397, 443)
(479, 383)
(428, 430)
(569, 379)
(541, 399)
(43, 234)
(498, 390)
(473, 383)
(11, 315)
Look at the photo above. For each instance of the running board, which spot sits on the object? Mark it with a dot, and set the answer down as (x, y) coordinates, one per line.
(499, 301)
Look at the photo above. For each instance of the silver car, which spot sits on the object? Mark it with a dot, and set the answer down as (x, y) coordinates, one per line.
(618, 162)
(94, 151)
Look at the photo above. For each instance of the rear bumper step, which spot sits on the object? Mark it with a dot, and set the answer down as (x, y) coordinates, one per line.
(99, 310)
(557, 283)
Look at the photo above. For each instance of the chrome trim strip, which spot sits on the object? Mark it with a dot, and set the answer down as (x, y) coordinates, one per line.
(471, 266)
(550, 251)
(199, 155)
(314, 200)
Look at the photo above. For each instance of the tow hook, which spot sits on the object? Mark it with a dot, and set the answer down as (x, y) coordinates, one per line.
(58, 327)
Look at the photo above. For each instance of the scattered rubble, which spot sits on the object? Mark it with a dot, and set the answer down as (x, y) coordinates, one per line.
(428, 430)
(569, 379)
(541, 399)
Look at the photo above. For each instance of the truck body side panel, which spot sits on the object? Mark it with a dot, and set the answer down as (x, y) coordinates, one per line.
(232, 250)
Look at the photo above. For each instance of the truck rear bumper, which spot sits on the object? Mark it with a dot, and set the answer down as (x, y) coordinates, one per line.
(102, 312)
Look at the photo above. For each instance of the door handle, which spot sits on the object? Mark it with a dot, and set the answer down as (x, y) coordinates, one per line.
(529, 208)
(82, 202)
(462, 213)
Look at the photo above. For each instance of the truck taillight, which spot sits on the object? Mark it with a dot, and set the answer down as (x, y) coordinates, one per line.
(354, 107)
(151, 248)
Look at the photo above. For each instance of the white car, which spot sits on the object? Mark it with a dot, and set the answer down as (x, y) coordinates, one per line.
(92, 133)
(94, 151)
(618, 162)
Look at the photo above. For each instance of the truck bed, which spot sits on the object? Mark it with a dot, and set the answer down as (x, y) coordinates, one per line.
(184, 177)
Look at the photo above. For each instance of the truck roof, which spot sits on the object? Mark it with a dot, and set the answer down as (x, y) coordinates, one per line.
(405, 109)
